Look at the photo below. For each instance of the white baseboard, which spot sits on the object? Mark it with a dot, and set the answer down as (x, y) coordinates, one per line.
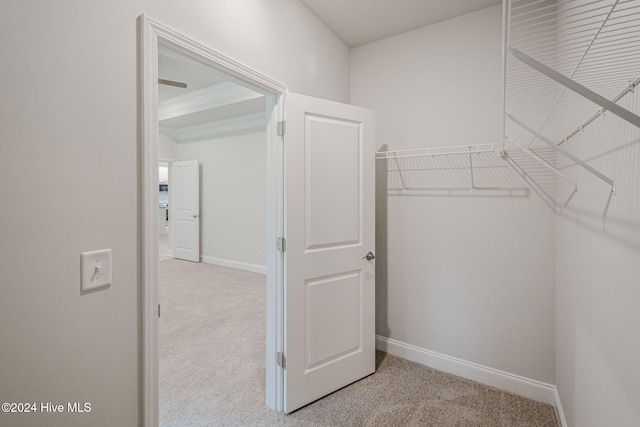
(526, 387)
(255, 268)
(562, 421)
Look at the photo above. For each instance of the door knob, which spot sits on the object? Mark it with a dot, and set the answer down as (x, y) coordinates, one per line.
(194, 216)
(369, 256)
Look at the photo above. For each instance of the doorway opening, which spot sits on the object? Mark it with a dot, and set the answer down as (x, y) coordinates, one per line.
(212, 280)
(249, 104)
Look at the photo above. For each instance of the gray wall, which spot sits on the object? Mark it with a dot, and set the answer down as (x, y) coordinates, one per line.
(69, 119)
(467, 276)
(598, 273)
(598, 244)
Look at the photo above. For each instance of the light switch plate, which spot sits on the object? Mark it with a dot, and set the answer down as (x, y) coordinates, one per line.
(95, 270)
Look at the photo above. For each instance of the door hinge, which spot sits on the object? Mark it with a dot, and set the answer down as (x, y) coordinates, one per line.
(158, 310)
(282, 128)
(281, 360)
(281, 244)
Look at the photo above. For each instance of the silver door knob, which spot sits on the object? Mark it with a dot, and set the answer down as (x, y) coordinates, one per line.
(194, 216)
(369, 256)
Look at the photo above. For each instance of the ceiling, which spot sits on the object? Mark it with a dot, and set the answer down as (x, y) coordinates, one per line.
(178, 68)
(210, 98)
(358, 22)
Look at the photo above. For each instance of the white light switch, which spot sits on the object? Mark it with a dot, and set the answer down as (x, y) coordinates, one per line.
(95, 270)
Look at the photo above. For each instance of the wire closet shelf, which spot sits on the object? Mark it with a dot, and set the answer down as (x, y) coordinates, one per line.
(435, 151)
(468, 151)
(560, 56)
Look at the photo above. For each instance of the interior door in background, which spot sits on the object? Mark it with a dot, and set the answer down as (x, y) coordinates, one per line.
(329, 338)
(184, 207)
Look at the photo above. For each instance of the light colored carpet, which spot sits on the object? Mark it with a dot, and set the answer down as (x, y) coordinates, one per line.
(212, 356)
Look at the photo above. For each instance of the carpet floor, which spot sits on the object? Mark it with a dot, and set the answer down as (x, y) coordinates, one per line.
(212, 364)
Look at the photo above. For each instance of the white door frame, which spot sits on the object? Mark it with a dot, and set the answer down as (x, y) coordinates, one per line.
(151, 35)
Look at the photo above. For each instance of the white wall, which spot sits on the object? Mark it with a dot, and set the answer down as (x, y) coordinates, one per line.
(280, 38)
(167, 148)
(69, 118)
(233, 198)
(598, 274)
(469, 277)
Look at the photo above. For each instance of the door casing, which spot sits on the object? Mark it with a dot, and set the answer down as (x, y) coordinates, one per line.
(152, 35)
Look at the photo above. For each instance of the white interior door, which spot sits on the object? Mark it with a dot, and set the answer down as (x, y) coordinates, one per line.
(329, 338)
(184, 204)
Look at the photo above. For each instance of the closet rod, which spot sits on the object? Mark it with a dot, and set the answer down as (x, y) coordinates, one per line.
(563, 151)
(628, 89)
(540, 160)
(578, 88)
(437, 151)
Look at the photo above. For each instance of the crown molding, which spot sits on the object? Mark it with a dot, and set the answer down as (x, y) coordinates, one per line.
(218, 95)
(242, 124)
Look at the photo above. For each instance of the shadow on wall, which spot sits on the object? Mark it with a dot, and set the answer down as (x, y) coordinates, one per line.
(595, 207)
(590, 203)
(382, 283)
(450, 176)
(539, 177)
